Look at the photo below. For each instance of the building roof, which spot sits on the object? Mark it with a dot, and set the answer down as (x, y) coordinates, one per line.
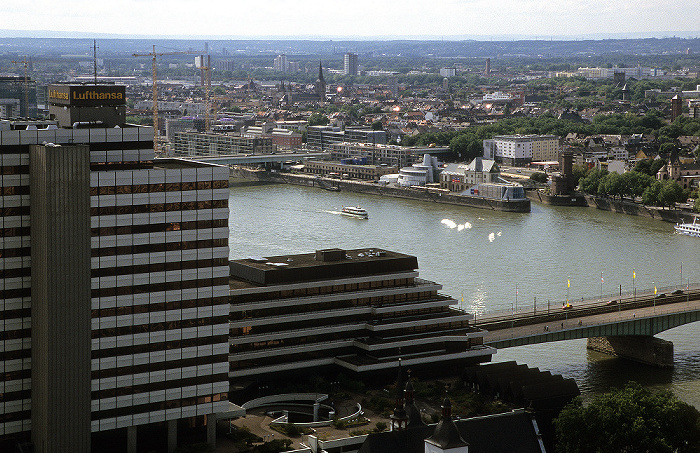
(322, 265)
(507, 432)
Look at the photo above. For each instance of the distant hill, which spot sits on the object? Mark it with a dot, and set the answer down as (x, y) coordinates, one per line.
(48, 43)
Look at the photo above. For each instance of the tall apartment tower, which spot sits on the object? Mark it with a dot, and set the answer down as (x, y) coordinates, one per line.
(487, 69)
(350, 64)
(114, 288)
(280, 63)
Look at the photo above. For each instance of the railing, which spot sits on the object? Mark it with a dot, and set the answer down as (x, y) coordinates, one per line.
(585, 307)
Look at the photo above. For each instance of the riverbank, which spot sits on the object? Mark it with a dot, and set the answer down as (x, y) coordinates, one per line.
(617, 206)
(418, 193)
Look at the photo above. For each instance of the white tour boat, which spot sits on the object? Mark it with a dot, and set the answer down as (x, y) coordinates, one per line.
(691, 229)
(354, 211)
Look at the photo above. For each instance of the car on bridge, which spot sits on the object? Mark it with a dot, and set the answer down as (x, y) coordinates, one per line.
(566, 306)
(612, 302)
(677, 292)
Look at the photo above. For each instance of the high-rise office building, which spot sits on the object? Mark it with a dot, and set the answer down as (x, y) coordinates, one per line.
(114, 289)
(350, 64)
(280, 63)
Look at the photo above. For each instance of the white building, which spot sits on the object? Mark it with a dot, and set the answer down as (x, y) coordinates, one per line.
(522, 149)
(350, 66)
(419, 174)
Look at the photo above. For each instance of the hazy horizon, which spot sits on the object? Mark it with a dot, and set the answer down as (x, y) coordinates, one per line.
(362, 20)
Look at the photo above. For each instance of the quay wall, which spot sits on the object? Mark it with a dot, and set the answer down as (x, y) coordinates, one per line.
(630, 208)
(376, 189)
(557, 200)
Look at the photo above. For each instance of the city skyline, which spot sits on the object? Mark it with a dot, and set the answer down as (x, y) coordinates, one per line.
(445, 19)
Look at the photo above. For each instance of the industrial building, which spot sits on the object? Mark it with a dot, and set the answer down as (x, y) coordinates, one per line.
(114, 287)
(358, 310)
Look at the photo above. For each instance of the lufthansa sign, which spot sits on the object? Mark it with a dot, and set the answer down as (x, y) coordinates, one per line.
(87, 95)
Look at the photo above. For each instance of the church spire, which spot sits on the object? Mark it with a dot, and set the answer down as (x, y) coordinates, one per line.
(446, 436)
(399, 419)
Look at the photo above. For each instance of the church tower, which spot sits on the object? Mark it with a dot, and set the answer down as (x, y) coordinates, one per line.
(446, 438)
(399, 419)
(320, 84)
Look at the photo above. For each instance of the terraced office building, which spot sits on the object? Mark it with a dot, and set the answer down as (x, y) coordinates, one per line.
(359, 310)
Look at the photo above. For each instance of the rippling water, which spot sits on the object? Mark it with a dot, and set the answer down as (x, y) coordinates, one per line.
(491, 261)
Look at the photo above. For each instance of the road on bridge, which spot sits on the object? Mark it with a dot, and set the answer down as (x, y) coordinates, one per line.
(531, 321)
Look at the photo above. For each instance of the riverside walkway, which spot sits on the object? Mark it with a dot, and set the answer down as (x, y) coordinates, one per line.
(642, 314)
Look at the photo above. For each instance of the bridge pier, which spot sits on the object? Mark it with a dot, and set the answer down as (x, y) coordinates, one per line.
(640, 348)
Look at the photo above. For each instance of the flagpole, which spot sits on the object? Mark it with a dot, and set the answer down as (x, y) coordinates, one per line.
(601, 284)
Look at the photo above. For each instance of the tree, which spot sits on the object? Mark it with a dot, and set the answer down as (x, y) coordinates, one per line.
(650, 196)
(318, 119)
(590, 184)
(631, 419)
(377, 126)
(539, 177)
(671, 193)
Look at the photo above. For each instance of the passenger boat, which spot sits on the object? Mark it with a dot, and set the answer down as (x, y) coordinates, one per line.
(354, 211)
(691, 229)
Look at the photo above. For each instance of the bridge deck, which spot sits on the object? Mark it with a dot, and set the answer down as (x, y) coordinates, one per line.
(640, 315)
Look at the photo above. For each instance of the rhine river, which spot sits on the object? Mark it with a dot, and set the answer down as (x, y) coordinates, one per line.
(497, 261)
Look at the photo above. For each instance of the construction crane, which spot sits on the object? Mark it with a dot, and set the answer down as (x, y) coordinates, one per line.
(206, 70)
(153, 55)
(26, 86)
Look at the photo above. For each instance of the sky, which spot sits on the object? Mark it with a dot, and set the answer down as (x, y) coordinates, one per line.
(357, 19)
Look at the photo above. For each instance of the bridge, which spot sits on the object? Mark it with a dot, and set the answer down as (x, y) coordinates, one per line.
(251, 159)
(623, 325)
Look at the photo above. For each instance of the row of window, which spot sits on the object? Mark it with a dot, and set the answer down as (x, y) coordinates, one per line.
(158, 227)
(158, 386)
(159, 187)
(14, 232)
(158, 326)
(14, 211)
(14, 314)
(14, 190)
(154, 347)
(153, 407)
(288, 342)
(157, 267)
(15, 355)
(282, 309)
(14, 253)
(158, 366)
(14, 169)
(328, 289)
(156, 287)
(157, 207)
(15, 273)
(153, 307)
(159, 247)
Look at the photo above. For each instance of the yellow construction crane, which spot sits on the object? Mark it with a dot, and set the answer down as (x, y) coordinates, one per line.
(26, 85)
(155, 54)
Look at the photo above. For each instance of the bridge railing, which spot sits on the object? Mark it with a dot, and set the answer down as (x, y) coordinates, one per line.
(529, 307)
(517, 329)
(509, 319)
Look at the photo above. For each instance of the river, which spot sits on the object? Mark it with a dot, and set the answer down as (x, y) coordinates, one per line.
(492, 261)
